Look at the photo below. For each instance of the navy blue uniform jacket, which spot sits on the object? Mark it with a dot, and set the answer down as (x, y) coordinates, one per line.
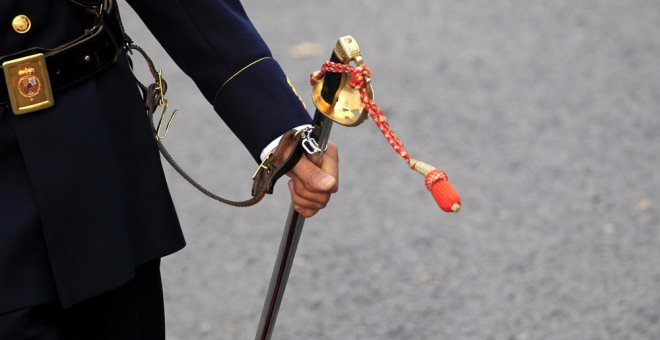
(83, 199)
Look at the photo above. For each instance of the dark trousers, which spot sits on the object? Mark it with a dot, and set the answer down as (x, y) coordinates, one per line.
(133, 311)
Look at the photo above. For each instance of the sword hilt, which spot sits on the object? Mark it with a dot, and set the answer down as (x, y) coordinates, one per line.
(333, 96)
(345, 50)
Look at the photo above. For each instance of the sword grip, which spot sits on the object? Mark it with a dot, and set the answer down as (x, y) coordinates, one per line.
(331, 84)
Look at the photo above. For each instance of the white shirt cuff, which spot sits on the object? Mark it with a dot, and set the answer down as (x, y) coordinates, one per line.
(275, 142)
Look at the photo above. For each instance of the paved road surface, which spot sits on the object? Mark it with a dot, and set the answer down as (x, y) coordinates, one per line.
(546, 116)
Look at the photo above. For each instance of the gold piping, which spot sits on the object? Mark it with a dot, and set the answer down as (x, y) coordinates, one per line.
(239, 72)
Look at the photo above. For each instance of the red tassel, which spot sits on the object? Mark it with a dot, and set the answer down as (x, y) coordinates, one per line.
(443, 191)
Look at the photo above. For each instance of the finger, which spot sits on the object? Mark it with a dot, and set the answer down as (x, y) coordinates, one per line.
(313, 177)
(304, 203)
(307, 213)
(301, 190)
(330, 164)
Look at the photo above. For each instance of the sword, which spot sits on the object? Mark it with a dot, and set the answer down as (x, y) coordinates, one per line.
(343, 96)
(294, 223)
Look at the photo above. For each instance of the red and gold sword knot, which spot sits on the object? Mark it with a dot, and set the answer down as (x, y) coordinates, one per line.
(436, 180)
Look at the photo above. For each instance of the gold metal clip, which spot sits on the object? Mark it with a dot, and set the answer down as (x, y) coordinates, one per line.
(263, 165)
(159, 134)
(28, 84)
(164, 104)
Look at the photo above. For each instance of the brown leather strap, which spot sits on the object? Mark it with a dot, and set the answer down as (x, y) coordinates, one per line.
(277, 164)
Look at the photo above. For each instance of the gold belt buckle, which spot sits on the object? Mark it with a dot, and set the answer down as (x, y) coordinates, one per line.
(28, 84)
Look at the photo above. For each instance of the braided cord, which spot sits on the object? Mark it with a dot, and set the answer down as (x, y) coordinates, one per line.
(359, 80)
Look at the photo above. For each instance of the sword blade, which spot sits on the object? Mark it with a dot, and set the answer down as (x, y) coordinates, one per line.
(287, 250)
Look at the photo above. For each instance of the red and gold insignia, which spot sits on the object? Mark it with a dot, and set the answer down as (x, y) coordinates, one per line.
(29, 84)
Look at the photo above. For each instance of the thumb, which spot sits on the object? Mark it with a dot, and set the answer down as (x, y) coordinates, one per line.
(313, 177)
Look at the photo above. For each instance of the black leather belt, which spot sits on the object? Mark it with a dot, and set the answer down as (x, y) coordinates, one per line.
(75, 61)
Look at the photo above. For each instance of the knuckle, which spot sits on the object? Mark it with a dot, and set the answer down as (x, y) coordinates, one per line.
(316, 173)
(333, 151)
(309, 213)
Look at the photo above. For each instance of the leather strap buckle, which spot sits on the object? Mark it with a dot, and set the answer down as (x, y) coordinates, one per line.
(28, 84)
(278, 163)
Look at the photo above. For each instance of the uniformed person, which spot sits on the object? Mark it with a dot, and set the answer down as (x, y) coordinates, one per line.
(85, 214)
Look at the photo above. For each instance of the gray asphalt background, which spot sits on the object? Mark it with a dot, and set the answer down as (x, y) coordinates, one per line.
(545, 115)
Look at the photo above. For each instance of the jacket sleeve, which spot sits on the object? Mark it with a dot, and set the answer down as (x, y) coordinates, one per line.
(213, 41)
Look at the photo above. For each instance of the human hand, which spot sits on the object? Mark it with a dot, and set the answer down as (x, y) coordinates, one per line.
(311, 185)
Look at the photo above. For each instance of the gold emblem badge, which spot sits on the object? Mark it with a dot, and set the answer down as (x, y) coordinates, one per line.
(28, 84)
